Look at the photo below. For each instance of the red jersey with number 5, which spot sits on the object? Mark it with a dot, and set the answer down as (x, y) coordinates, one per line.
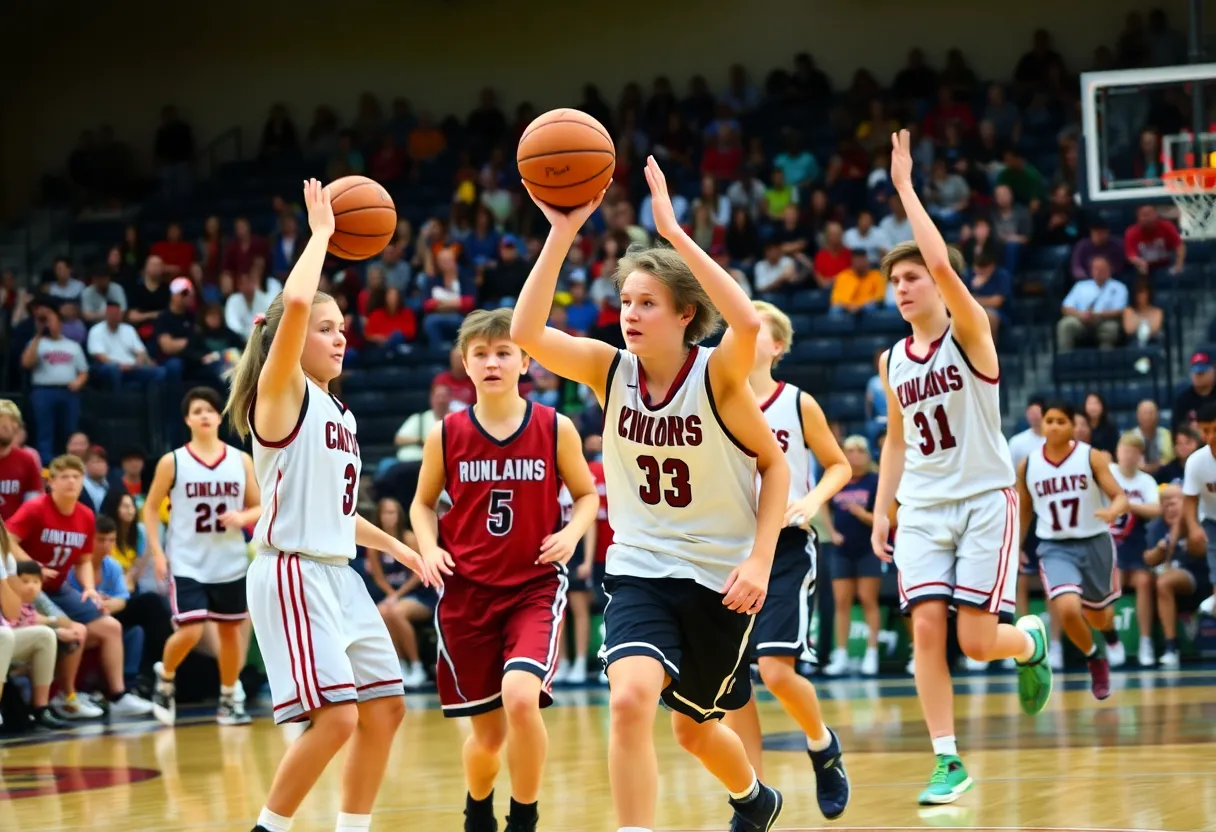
(52, 538)
(504, 497)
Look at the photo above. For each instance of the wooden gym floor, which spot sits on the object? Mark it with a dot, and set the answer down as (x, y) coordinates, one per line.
(1143, 760)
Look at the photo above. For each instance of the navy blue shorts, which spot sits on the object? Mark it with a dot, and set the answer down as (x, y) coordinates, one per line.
(195, 601)
(783, 624)
(428, 596)
(1131, 558)
(853, 565)
(73, 606)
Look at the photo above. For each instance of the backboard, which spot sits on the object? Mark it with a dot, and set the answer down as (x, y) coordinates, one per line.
(1140, 123)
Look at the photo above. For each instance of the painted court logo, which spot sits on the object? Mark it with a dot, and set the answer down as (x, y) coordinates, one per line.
(17, 782)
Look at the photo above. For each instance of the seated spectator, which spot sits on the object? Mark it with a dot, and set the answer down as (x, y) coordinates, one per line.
(865, 235)
(795, 239)
(779, 195)
(412, 434)
(58, 370)
(1098, 244)
(1158, 444)
(64, 286)
(747, 193)
(949, 110)
(148, 298)
(177, 254)
(1003, 114)
(946, 194)
(404, 601)
(245, 253)
(96, 478)
(390, 324)
(858, 287)
(347, 160)
(426, 140)
(502, 279)
(1057, 222)
(832, 258)
(1103, 434)
(73, 327)
(976, 240)
(723, 158)
(874, 131)
(992, 286)
(387, 164)
(456, 379)
(26, 638)
(582, 312)
(1011, 222)
(1093, 310)
(1186, 442)
(702, 228)
(1153, 243)
(211, 247)
(246, 303)
(1142, 321)
(286, 246)
(118, 358)
(1181, 577)
(777, 271)
(102, 290)
(742, 238)
(1201, 391)
(876, 402)
(129, 479)
(718, 203)
(72, 530)
(895, 227)
(213, 348)
(547, 389)
(1023, 179)
(796, 162)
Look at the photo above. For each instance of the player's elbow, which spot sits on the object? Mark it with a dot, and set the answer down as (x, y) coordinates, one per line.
(748, 324)
(524, 332)
(296, 301)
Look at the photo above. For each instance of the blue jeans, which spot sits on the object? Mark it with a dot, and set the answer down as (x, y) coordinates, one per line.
(56, 415)
(441, 327)
(112, 377)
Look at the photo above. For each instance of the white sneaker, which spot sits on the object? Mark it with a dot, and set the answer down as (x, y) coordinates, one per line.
(839, 665)
(238, 693)
(1116, 654)
(563, 670)
(910, 668)
(603, 677)
(974, 665)
(77, 708)
(578, 673)
(1147, 655)
(1055, 656)
(130, 705)
(869, 662)
(1010, 663)
(1208, 605)
(414, 676)
(1169, 659)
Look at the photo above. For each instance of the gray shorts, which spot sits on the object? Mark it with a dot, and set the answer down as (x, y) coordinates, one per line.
(1086, 567)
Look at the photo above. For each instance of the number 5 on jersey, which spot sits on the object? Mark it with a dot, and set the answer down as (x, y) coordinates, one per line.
(500, 518)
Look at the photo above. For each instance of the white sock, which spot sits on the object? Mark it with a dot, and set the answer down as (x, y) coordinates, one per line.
(1028, 654)
(1093, 650)
(632, 829)
(353, 823)
(275, 823)
(227, 690)
(416, 665)
(945, 745)
(748, 793)
(821, 742)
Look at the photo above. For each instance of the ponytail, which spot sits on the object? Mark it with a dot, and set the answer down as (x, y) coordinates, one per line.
(243, 378)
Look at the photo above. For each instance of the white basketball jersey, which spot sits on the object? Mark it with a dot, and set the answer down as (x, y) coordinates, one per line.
(310, 481)
(196, 543)
(681, 489)
(952, 426)
(1199, 480)
(783, 411)
(1065, 495)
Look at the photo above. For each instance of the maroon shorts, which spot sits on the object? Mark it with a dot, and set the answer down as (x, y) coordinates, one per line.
(485, 631)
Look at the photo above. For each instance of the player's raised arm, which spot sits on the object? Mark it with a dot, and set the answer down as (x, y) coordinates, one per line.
(572, 468)
(890, 467)
(584, 360)
(836, 469)
(1100, 463)
(1025, 505)
(968, 318)
(279, 376)
(162, 481)
(423, 518)
(732, 361)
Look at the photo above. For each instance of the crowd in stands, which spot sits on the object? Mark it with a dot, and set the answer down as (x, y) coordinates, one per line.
(785, 183)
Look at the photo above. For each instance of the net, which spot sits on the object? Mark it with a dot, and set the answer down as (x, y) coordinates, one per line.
(1194, 192)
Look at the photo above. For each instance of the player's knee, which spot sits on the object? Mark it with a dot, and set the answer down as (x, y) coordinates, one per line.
(977, 644)
(1067, 605)
(192, 633)
(629, 700)
(337, 722)
(490, 732)
(382, 714)
(520, 695)
(928, 628)
(775, 673)
(692, 736)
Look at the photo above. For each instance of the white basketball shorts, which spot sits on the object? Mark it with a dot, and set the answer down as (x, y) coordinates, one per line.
(961, 552)
(320, 635)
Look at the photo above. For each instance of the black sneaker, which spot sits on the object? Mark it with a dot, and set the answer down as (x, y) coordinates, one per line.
(831, 780)
(757, 814)
(479, 814)
(45, 718)
(522, 818)
(231, 712)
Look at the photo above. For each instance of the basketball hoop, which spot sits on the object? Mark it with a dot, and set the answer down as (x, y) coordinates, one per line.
(1194, 192)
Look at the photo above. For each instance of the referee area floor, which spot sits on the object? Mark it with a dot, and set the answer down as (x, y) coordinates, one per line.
(1143, 760)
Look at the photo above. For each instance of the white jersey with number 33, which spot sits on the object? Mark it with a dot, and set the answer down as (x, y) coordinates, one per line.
(952, 425)
(197, 544)
(310, 481)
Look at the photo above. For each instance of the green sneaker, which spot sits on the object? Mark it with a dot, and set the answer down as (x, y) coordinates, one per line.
(948, 782)
(1034, 677)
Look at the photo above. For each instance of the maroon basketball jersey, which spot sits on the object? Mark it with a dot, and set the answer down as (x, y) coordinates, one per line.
(504, 497)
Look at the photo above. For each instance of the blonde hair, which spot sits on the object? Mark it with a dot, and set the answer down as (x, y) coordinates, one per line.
(910, 251)
(492, 325)
(779, 326)
(857, 442)
(244, 376)
(669, 268)
(67, 462)
(1134, 439)
(10, 409)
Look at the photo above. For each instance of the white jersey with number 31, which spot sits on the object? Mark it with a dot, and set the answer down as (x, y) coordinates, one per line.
(952, 425)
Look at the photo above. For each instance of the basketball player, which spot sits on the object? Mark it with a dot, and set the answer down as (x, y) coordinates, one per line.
(1199, 499)
(693, 547)
(1063, 485)
(1131, 541)
(947, 464)
(782, 630)
(579, 596)
(329, 657)
(213, 495)
(499, 612)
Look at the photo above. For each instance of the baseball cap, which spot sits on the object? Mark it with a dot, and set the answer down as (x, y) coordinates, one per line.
(181, 286)
(1201, 362)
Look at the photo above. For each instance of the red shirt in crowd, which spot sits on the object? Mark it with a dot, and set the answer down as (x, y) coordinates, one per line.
(177, 256)
(722, 163)
(603, 530)
(382, 323)
(19, 475)
(829, 263)
(1155, 245)
(462, 388)
(54, 539)
(239, 259)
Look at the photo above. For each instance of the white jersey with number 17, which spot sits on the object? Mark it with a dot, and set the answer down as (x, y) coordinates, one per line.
(952, 425)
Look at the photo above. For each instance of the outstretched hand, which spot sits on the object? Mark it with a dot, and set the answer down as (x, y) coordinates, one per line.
(660, 201)
(567, 221)
(320, 212)
(901, 159)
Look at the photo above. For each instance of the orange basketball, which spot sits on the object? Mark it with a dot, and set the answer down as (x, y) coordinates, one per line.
(364, 217)
(566, 158)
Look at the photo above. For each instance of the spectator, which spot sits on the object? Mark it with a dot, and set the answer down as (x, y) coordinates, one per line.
(718, 203)
(1010, 221)
(679, 204)
(245, 253)
(387, 164)
(747, 193)
(149, 297)
(1153, 243)
(1158, 445)
(412, 434)
(246, 303)
(582, 312)
(397, 272)
(129, 478)
(78, 444)
(1180, 575)
(779, 195)
(58, 370)
(406, 602)
(170, 339)
(96, 478)
(876, 402)
(946, 194)
(279, 137)
(101, 291)
(777, 271)
(794, 239)
(502, 280)
(977, 240)
(1142, 321)
(1097, 244)
(426, 140)
(832, 258)
(949, 110)
(742, 239)
(722, 258)
(211, 248)
(796, 162)
(992, 286)
(456, 379)
(723, 159)
(1202, 391)
(1003, 114)
(212, 349)
(20, 474)
(119, 359)
(1186, 442)
(1026, 442)
(1057, 220)
(177, 254)
(874, 132)
(858, 287)
(286, 246)
(65, 287)
(1103, 434)
(895, 227)
(865, 235)
(24, 638)
(391, 324)
(1093, 310)
(448, 298)
(1028, 186)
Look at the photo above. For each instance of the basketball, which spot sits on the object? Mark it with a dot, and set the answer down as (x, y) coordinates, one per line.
(364, 217)
(566, 158)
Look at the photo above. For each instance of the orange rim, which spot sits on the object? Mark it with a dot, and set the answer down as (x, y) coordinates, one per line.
(1189, 180)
